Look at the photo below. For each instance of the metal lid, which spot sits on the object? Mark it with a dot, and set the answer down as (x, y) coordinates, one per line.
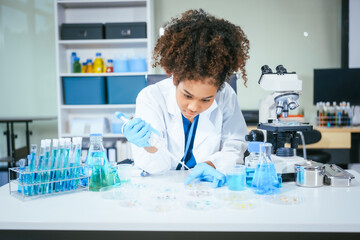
(310, 165)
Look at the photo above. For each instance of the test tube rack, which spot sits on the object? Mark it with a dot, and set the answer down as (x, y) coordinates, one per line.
(26, 185)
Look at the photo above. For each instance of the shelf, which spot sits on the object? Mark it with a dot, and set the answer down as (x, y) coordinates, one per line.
(105, 135)
(99, 3)
(104, 106)
(105, 43)
(102, 74)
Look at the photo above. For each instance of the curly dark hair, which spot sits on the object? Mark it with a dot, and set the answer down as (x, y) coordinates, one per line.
(199, 45)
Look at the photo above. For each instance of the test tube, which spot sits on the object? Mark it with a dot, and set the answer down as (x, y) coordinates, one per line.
(54, 152)
(21, 176)
(32, 164)
(65, 165)
(59, 160)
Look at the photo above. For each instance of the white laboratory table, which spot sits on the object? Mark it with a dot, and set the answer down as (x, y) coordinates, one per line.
(323, 209)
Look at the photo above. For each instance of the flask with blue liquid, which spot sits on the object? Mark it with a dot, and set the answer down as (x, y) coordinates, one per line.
(252, 161)
(96, 150)
(265, 180)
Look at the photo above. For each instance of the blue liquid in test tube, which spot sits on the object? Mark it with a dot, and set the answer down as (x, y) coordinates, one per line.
(59, 160)
(51, 176)
(31, 177)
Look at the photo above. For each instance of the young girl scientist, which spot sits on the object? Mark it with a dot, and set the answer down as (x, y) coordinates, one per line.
(195, 109)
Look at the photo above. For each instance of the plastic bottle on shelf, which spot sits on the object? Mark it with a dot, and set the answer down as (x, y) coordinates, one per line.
(77, 66)
(83, 68)
(327, 114)
(334, 113)
(109, 66)
(349, 114)
(98, 64)
(89, 66)
(72, 60)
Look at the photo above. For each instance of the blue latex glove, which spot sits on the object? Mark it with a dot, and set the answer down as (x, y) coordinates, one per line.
(205, 172)
(138, 132)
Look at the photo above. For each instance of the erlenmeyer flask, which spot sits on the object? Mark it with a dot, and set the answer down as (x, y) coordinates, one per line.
(265, 179)
(99, 178)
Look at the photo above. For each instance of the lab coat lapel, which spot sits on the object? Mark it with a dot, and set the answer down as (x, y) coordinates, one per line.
(175, 125)
(205, 127)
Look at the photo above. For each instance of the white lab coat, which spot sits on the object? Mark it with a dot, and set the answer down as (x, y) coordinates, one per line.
(220, 134)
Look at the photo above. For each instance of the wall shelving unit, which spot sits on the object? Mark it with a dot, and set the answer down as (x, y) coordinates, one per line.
(98, 11)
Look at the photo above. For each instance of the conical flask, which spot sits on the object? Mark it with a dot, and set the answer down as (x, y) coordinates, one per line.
(96, 150)
(99, 178)
(265, 179)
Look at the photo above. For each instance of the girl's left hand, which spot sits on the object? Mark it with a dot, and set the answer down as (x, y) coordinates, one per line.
(205, 172)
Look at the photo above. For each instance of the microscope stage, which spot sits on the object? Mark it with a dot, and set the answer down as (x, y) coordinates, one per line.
(285, 127)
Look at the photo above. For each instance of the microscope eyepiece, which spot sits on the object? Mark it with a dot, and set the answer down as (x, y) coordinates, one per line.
(281, 70)
(266, 69)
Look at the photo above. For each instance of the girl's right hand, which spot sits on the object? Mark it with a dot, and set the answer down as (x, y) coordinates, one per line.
(138, 132)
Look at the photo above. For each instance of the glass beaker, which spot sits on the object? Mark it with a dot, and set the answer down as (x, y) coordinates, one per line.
(99, 178)
(235, 178)
(265, 179)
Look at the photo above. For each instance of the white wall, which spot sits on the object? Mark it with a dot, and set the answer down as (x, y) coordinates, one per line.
(275, 29)
(354, 34)
(27, 67)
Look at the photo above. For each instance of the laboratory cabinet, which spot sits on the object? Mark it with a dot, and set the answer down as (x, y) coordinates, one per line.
(89, 96)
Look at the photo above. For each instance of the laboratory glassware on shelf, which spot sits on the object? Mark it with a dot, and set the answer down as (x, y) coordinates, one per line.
(333, 115)
(265, 180)
(49, 175)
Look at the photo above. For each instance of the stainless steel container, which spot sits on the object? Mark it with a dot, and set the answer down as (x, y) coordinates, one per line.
(335, 176)
(310, 174)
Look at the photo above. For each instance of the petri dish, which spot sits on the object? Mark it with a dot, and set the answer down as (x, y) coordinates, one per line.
(284, 199)
(130, 203)
(240, 205)
(161, 199)
(203, 204)
(233, 196)
(199, 189)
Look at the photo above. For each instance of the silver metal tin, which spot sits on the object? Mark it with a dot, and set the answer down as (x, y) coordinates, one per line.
(335, 176)
(310, 174)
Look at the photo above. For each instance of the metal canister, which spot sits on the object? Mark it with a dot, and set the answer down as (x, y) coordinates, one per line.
(310, 174)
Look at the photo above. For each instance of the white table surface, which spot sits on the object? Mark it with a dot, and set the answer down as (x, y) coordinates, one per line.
(324, 209)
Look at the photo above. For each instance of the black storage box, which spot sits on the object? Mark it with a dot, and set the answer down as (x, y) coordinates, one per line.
(125, 30)
(71, 31)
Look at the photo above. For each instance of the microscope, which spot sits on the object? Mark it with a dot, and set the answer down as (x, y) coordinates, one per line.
(285, 88)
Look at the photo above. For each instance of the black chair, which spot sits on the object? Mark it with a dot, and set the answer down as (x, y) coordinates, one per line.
(154, 78)
(316, 155)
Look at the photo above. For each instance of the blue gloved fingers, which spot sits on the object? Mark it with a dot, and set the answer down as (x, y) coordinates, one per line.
(215, 183)
(219, 182)
(193, 175)
(133, 129)
(131, 124)
(207, 178)
(120, 114)
(143, 131)
(143, 142)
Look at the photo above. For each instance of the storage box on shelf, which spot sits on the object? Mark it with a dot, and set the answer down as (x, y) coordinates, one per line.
(84, 90)
(88, 95)
(124, 89)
